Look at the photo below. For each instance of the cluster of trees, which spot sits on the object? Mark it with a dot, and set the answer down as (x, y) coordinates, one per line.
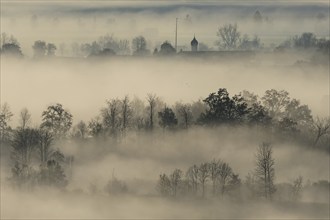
(35, 160)
(10, 46)
(305, 41)
(42, 49)
(217, 179)
(195, 179)
(230, 39)
(31, 147)
(106, 45)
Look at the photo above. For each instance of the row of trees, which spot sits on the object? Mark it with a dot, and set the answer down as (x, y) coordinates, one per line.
(229, 38)
(195, 179)
(305, 41)
(217, 179)
(274, 112)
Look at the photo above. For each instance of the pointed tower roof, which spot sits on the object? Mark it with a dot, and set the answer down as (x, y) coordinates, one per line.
(194, 41)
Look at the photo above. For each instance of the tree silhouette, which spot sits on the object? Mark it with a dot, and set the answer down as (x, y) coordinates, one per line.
(51, 48)
(192, 178)
(139, 46)
(5, 117)
(175, 179)
(56, 120)
(223, 109)
(23, 144)
(214, 167)
(275, 102)
(321, 128)
(229, 37)
(80, 130)
(297, 188)
(164, 185)
(185, 113)
(95, 127)
(53, 175)
(12, 50)
(110, 116)
(6, 39)
(265, 172)
(126, 113)
(306, 40)
(25, 118)
(152, 100)
(39, 48)
(225, 172)
(167, 118)
(202, 175)
(45, 140)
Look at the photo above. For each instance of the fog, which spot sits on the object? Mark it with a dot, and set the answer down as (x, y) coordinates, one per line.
(137, 157)
(139, 160)
(67, 23)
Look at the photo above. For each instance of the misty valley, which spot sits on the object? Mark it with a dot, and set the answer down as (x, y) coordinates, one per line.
(164, 110)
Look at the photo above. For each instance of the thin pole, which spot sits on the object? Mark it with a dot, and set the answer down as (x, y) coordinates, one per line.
(176, 35)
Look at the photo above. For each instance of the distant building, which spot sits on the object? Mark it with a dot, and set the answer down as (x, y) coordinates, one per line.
(194, 45)
(166, 49)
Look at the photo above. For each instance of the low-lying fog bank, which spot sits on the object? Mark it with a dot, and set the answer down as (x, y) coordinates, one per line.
(71, 205)
(138, 160)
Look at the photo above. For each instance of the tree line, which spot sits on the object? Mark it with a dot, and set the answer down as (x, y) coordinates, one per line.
(35, 160)
(222, 180)
(229, 38)
(275, 112)
(217, 180)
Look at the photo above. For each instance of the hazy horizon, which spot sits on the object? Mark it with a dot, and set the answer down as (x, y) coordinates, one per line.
(101, 116)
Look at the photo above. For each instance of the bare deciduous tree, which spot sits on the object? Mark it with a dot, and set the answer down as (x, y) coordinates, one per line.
(265, 172)
(297, 188)
(184, 111)
(44, 143)
(25, 118)
(110, 115)
(5, 116)
(192, 177)
(164, 185)
(321, 127)
(126, 112)
(25, 140)
(152, 99)
(224, 175)
(139, 46)
(95, 127)
(229, 37)
(175, 178)
(203, 174)
(214, 173)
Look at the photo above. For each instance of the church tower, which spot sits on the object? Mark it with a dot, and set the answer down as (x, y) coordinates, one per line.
(194, 45)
